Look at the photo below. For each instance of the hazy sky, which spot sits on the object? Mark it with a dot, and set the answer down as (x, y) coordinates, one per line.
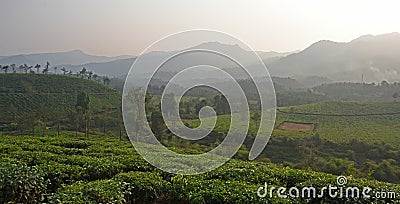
(116, 27)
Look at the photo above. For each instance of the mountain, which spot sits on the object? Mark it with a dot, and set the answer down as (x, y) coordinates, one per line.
(115, 68)
(74, 57)
(368, 58)
(120, 67)
(271, 56)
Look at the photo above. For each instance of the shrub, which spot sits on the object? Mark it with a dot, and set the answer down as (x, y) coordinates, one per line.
(144, 187)
(22, 184)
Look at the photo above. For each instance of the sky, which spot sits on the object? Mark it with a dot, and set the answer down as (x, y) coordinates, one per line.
(127, 27)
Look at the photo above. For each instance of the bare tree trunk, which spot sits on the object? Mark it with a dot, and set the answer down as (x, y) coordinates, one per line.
(88, 126)
(85, 121)
(45, 128)
(58, 129)
(77, 126)
(120, 132)
(104, 127)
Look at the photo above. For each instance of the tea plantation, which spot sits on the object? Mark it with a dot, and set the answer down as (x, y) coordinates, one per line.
(103, 169)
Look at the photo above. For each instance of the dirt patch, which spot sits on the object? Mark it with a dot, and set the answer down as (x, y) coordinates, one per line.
(295, 126)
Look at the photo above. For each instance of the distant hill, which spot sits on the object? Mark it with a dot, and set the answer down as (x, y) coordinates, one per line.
(115, 68)
(365, 59)
(74, 57)
(120, 67)
(368, 58)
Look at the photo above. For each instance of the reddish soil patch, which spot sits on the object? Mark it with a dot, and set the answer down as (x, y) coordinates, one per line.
(294, 126)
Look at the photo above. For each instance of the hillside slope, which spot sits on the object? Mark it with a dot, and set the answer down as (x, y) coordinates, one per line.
(35, 95)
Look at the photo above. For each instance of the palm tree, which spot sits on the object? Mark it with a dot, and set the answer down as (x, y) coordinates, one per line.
(26, 68)
(5, 69)
(37, 67)
(55, 70)
(90, 74)
(83, 72)
(30, 70)
(46, 69)
(63, 70)
(21, 68)
(13, 68)
(70, 73)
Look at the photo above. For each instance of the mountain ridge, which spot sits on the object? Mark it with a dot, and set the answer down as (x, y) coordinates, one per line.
(375, 57)
(73, 57)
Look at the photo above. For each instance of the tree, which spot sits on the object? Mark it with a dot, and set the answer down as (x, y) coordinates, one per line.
(30, 70)
(95, 77)
(59, 115)
(106, 80)
(5, 69)
(37, 67)
(82, 73)
(157, 122)
(170, 103)
(31, 120)
(90, 74)
(44, 117)
(55, 70)
(26, 67)
(136, 104)
(82, 107)
(256, 116)
(64, 70)
(13, 68)
(395, 96)
(21, 68)
(46, 69)
(221, 105)
(200, 105)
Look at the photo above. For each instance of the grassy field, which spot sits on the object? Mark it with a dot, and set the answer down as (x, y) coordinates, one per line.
(71, 169)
